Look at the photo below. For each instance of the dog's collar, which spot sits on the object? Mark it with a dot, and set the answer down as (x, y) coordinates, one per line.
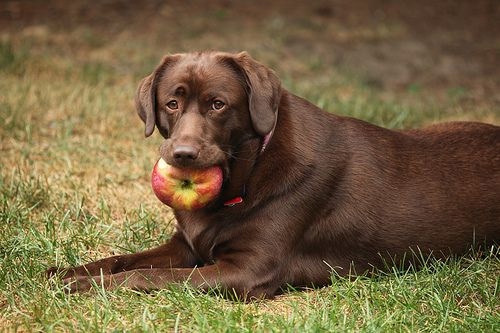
(236, 200)
(265, 142)
(268, 136)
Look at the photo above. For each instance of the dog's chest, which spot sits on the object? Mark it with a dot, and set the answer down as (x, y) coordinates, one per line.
(200, 232)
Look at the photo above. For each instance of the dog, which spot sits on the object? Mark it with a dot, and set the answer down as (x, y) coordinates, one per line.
(306, 194)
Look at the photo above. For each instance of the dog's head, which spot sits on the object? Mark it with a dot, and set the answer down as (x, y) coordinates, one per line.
(206, 105)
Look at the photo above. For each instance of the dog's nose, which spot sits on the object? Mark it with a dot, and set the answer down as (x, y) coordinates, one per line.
(186, 153)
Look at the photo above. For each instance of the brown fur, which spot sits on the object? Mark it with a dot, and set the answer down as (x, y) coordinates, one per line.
(328, 193)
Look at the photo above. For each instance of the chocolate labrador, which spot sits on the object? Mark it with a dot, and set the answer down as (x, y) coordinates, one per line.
(306, 193)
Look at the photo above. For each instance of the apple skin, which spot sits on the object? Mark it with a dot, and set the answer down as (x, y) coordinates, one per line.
(185, 189)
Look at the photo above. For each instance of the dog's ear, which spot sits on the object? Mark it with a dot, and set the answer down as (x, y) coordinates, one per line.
(145, 97)
(264, 92)
(145, 103)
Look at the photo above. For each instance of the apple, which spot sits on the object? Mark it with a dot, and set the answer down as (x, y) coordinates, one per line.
(186, 189)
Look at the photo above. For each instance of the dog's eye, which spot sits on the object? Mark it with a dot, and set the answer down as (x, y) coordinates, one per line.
(173, 105)
(218, 105)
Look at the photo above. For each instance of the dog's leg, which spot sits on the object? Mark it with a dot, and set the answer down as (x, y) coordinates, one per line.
(224, 275)
(175, 253)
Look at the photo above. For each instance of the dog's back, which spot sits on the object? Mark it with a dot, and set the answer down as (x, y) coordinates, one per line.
(434, 190)
(458, 166)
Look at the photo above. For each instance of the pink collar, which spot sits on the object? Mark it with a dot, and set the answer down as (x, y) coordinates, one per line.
(269, 135)
(265, 142)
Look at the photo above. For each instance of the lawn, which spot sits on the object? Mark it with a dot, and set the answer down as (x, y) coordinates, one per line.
(75, 166)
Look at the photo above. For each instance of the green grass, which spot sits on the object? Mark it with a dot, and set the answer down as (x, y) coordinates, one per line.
(74, 187)
(456, 295)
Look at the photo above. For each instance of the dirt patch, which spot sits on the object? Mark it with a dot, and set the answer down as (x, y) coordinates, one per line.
(446, 47)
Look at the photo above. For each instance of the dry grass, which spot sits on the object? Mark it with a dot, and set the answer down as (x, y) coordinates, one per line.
(74, 176)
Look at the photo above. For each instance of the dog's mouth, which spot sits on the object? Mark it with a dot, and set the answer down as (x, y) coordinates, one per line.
(235, 161)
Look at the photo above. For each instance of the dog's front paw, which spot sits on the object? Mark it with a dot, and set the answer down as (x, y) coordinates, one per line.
(59, 275)
(80, 284)
(59, 272)
(52, 272)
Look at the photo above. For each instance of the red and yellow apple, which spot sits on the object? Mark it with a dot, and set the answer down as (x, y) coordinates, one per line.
(185, 188)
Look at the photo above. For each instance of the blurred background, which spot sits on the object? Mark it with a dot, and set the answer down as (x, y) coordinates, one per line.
(445, 50)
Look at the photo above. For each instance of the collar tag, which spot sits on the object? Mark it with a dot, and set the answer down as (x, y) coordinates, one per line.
(234, 201)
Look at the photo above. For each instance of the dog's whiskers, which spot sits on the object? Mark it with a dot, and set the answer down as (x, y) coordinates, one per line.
(235, 157)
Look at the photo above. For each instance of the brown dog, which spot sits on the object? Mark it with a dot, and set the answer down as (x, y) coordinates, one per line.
(320, 193)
